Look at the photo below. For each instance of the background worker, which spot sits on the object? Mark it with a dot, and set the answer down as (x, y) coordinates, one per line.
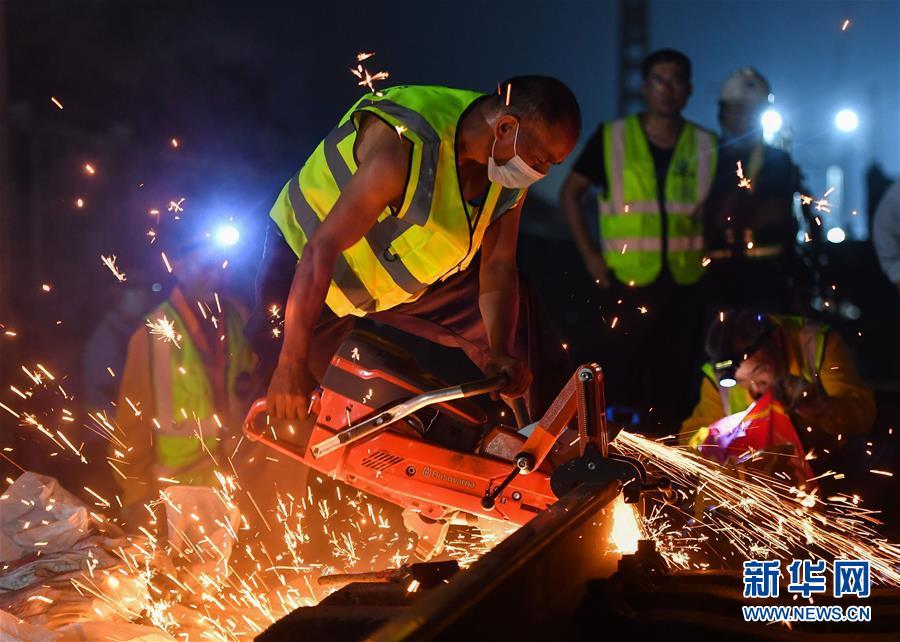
(805, 365)
(749, 228)
(387, 218)
(195, 383)
(886, 234)
(653, 171)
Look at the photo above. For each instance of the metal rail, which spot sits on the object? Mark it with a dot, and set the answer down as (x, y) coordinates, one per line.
(535, 577)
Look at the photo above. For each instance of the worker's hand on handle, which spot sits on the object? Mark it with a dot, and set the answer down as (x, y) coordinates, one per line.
(289, 390)
(597, 268)
(518, 373)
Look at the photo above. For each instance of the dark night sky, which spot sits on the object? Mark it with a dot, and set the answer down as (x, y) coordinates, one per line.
(265, 80)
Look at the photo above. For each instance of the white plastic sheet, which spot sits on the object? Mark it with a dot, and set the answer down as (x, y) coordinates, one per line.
(38, 515)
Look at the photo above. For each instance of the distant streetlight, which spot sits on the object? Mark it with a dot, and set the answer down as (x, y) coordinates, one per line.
(771, 122)
(846, 120)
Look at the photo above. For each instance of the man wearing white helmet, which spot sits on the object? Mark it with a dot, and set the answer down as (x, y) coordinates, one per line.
(749, 225)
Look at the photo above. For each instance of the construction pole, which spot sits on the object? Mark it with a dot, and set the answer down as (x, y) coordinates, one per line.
(5, 214)
(634, 45)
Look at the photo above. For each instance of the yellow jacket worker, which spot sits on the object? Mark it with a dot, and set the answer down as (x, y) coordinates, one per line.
(190, 389)
(805, 364)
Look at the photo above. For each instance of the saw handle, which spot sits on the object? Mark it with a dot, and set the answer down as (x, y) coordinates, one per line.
(256, 409)
(469, 389)
(484, 386)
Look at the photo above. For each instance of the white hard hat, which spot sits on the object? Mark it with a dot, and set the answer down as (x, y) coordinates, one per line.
(745, 85)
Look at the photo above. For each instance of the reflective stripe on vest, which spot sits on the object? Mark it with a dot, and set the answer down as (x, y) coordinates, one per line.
(630, 221)
(184, 401)
(430, 237)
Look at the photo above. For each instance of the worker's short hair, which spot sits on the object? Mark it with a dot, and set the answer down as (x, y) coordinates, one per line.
(737, 334)
(666, 55)
(543, 97)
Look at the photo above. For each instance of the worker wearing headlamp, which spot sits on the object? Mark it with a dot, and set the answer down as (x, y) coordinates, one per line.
(182, 396)
(806, 366)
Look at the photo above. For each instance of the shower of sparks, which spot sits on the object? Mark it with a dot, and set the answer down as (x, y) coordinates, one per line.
(175, 206)
(56, 101)
(400, 130)
(743, 181)
(174, 142)
(79, 203)
(164, 328)
(207, 593)
(508, 93)
(760, 516)
(89, 169)
(110, 262)
(367, 79)
(845, 25)
(822, 205)
(166, 261)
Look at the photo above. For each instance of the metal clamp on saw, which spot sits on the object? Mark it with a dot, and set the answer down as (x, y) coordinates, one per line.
(583, 397)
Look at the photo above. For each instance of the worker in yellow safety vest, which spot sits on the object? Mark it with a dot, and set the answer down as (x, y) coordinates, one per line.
(652, 171)
(806, 366)
(186, 383)
(387, 217)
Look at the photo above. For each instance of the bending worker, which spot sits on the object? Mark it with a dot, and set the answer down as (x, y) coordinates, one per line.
(387, 217)
(653, 171)
(806, 366)
(183, 391)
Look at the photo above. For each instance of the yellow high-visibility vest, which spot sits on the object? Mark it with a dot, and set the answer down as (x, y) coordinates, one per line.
(630, 220)
(433, 235)
(190, 425)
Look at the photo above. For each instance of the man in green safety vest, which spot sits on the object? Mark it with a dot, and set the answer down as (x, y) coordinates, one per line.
(186, 384)
(804, 364)
(653, 171)
(387, 217)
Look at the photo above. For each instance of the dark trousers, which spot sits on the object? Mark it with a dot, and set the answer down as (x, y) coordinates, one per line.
(762, 285)
(447, 314)
(651, 355)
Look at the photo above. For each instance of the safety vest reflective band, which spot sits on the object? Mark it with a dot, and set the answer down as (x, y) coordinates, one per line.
(432, 235)
(184, 399)
(805, 337)
(630, 221)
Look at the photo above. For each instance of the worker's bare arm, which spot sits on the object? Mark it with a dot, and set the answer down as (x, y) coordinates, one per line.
(570, 195)
(380, 180)
(499, 298)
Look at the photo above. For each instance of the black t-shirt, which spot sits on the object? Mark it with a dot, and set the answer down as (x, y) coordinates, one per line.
(766, 210)
(592, 165)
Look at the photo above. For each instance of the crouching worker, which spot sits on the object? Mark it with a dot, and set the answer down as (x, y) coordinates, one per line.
(807, 396)
(186, 383)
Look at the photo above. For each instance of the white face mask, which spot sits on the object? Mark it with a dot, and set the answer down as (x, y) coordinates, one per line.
(514, 173)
